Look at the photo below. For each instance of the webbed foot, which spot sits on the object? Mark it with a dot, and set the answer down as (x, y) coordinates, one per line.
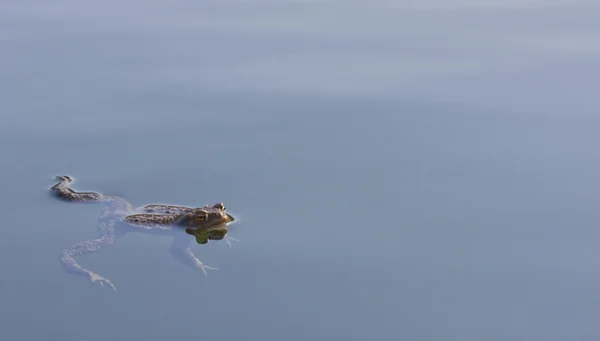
(203, 267)
(97, 278)
(228, 240)
(64, 178)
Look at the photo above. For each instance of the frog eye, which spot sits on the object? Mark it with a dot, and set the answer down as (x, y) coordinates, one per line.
(201, 218)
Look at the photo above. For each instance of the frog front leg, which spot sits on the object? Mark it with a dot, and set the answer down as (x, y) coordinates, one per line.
(181, 251)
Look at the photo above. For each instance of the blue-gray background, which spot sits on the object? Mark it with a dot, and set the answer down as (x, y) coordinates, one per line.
(424, 171)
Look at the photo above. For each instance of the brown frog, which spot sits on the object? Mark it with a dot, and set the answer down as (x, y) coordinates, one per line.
(119, 217)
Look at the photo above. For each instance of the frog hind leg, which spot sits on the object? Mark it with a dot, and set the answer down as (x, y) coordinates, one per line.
(64, 192)
(67, 259)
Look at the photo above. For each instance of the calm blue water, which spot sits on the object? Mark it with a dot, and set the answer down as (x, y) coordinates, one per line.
(399, 172)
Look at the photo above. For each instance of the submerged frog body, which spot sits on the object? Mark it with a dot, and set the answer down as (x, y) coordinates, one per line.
(119, 217)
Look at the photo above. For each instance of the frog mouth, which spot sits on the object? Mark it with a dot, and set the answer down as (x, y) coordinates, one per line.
(231, 218)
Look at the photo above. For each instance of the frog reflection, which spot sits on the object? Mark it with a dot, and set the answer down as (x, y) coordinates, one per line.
(204, 235)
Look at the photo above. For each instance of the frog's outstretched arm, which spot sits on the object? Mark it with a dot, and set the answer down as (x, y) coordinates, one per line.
(180, 250)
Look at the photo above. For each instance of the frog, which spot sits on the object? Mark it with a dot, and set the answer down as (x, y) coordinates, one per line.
(118, 217)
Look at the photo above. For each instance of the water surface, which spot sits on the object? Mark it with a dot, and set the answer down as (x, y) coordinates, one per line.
(418, 172)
